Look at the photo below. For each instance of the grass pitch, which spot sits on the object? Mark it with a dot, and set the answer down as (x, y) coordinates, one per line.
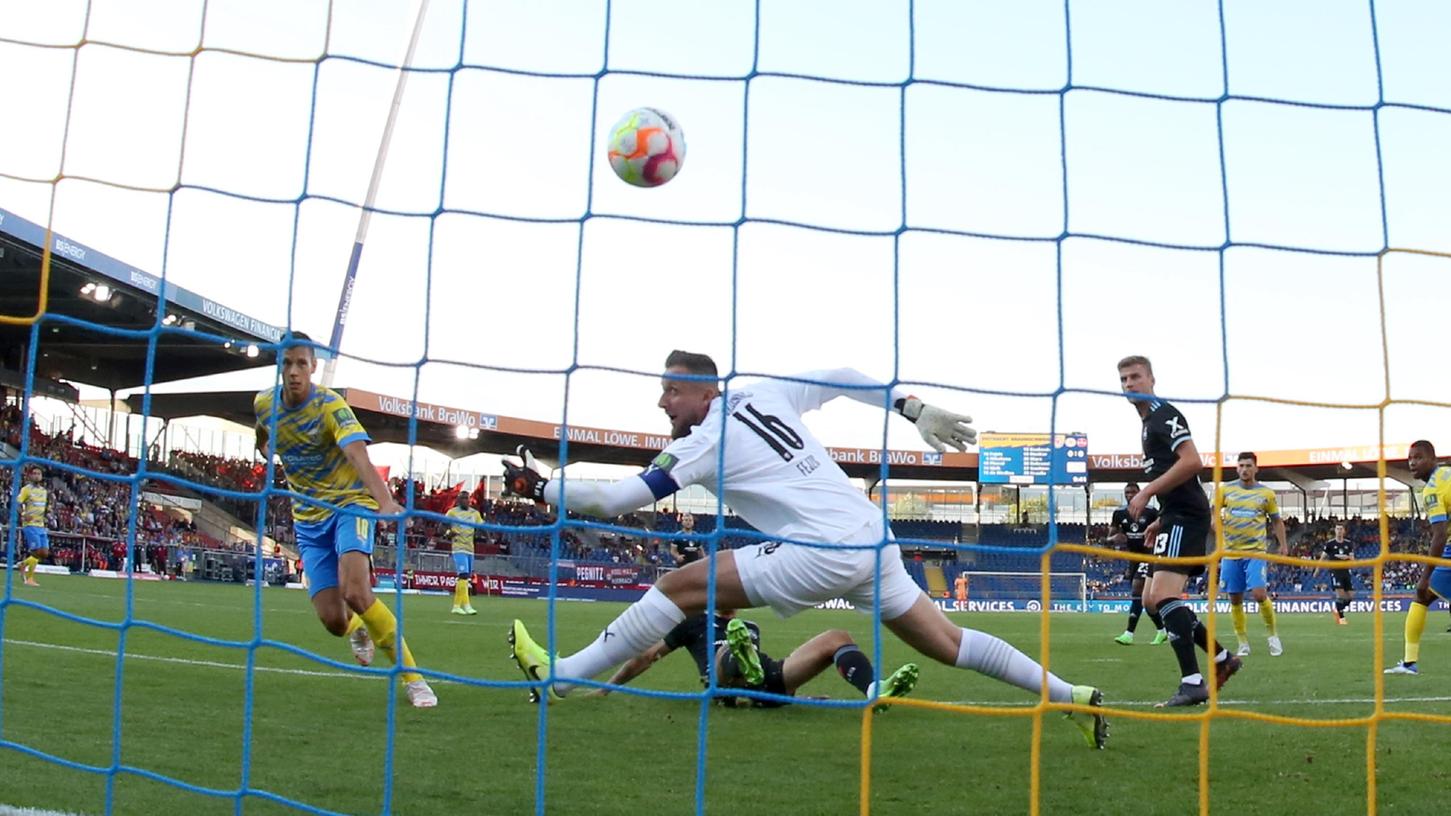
(318, 733)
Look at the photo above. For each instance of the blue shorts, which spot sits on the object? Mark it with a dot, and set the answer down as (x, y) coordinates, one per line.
(321, 542)
(1441, 578)
(36, 538)
(463, 563)
(1238, 574)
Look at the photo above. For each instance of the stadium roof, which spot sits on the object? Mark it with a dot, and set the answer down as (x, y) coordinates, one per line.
(89, 285)
(386, 419)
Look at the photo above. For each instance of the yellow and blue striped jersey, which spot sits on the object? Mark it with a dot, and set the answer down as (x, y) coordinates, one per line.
(462, 535)
(1436, 495)
(33, 501)
(1245, 514)
(310, 440)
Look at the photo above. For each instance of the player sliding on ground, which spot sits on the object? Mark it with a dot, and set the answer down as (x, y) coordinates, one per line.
(324, 453)
(778, 477)
(740, 663)
(1435, 581)
(1172, 464)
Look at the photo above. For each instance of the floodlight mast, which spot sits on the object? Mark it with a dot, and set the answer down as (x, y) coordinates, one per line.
(345, 297)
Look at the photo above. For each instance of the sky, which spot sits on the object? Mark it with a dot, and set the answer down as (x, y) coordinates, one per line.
(916, 156)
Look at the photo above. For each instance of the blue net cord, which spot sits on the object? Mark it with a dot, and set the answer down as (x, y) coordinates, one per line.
(715, 539)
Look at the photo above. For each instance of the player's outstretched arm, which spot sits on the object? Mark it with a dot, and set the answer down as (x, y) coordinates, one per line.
(938, 428)
(602, 500)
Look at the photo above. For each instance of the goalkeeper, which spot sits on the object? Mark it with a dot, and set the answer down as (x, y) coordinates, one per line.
(749, 447)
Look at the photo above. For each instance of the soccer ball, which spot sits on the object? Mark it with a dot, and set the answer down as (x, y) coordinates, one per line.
(647, 147)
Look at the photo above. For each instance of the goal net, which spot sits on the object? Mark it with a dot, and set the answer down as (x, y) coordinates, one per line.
(988, 203)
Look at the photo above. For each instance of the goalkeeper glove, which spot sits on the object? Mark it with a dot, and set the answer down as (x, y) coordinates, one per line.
(524, 480)
(939, 428)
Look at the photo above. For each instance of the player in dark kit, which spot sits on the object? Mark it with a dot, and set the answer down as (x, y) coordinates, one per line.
(739, 663)
(1172, 464)
(1128, 533)
(1339, 549)
(686, 550)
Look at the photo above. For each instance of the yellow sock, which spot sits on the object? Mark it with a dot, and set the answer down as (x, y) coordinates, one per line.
(1415, 625)
(461, 593)
(1267, 611)
(383, 628)
(353, 623)
(30, 566)
(1236, 614)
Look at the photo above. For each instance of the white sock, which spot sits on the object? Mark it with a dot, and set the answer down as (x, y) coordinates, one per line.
(1193, 679)
(999, 659)
(635, 630)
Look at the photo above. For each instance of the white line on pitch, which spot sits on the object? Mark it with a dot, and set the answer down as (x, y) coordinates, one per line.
(10, 810)
(214, 664)
(1309, 701)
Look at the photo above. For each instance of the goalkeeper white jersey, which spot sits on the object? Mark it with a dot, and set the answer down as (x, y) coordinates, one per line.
(775, 474)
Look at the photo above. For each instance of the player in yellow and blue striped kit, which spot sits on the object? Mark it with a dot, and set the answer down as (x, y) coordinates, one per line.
(324, 453)
(34, 500)
(1247, 510)
(1435, 581)
(462, 536)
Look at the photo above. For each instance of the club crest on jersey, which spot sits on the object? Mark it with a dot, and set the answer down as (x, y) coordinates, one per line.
(664, 462)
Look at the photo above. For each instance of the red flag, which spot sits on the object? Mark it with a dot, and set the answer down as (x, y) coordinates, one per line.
(441, 501)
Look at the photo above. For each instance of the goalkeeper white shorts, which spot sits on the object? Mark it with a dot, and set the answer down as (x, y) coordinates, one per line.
(792, 577)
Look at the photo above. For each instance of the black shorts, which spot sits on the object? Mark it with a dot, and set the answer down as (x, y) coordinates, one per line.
(1181, 537)
(1342, 579)
(1134, 570)
(775, 683)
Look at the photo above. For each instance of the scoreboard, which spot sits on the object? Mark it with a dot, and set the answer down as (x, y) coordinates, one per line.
(1032, 458)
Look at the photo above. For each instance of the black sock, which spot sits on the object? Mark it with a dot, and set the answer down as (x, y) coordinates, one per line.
(1179, 620)
(1201, 639)
(1135, 609)
(1340, 605)
(854, 666)
(1157, 619)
